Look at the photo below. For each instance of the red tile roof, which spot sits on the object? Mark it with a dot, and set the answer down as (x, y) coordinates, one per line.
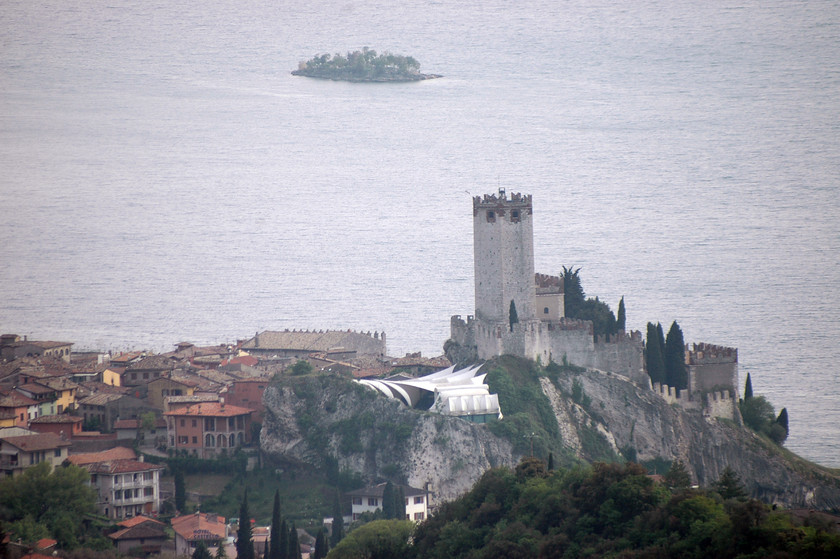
(210, 409)
(57, 418)
(118, 453)
(135, 520)
(200, 526)
(121, 467)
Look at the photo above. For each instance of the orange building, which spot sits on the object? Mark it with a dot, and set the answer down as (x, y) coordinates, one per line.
(208, 428)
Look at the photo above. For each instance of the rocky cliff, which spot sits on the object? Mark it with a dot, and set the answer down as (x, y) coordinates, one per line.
(575, 414)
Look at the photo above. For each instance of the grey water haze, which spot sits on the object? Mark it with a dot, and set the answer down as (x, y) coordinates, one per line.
(165, 178)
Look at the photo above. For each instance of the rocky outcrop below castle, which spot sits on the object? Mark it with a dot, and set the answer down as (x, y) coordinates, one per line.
(578, 415)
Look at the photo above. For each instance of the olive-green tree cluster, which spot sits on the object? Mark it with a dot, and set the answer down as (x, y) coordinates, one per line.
(758, 414)
(379, 539)
(43, 504)
(609, 510)
(576, 305)
(361, 64)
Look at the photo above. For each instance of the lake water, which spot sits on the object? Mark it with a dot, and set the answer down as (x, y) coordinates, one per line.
(165, 178)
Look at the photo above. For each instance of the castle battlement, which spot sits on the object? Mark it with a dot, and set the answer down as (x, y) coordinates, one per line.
(548, 284)
(568, 325)
(621, 337)
(501, 202)
(707, 354)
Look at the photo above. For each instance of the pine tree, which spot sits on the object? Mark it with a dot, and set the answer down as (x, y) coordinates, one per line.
(274, 550)
(678, 476)
(338, 522)
(244, 536)
(621, 320)
(748, 390)
(294, 543)
(399, 507)
(388, 501)
(653, 356)
(729, 485)
(676, 374)
(220, 551)
(180, 491)
(201, 551)
(514, 318)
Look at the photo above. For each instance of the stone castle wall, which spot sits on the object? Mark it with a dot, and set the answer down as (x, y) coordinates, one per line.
(712, 367)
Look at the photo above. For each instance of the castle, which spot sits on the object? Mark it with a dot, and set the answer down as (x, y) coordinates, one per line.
(520, 312)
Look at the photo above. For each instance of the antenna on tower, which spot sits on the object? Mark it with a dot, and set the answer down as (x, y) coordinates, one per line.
(501, 192)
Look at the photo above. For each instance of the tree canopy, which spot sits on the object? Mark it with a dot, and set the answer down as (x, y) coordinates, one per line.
(362, 65)
(676, 373)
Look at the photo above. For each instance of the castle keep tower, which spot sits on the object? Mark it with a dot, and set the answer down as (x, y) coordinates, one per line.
(503, 242)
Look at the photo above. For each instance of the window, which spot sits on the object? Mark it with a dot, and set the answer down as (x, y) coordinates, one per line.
(491, 216)
(418, 516)
(147, 476)
(194, 423)
(209, 423)
(545, 310)
(357, 500)
(145, 376)
(195, 440)
(60, 408)
(183, 440)
(418, 500)
(117, 495)
(209, 440)
(133, 376)
(183, 422)
(514, 216)
(372, 502)
(148, 491)
(58, 453)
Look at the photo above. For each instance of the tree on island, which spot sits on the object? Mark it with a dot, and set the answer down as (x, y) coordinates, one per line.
(362, 65)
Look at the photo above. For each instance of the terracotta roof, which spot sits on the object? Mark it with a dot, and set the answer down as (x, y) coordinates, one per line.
(135, 520)
(57, 418)
(127, 424)
(99, 399)
(16, 400)
(41, 441)
(210, 409)
(313, 341)
(118, 453)
(45, 543)
(36, 388)
(200, 526)
(249, 360)
(121, 467)
(59, 383)
(154, 362)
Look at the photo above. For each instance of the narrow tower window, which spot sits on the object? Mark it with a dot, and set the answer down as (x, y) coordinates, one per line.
(514, 216)
(491, 216)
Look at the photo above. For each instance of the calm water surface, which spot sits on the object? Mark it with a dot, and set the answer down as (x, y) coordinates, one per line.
(165, 178)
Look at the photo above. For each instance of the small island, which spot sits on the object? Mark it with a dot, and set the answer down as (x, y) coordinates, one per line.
(363, 66)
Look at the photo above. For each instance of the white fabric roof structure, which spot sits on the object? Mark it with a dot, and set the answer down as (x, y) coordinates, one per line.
(458, 393)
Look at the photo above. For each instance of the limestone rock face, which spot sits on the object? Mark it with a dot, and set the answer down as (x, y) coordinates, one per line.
(319, 419)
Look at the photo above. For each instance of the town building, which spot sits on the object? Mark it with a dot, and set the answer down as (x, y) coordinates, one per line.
(63, 425)
(298, 344)
(17, 409)
(126, 487)
(20, 452)
(139, 533)
(14, 347)
(248, 393)
(204, 527)
(208, 429)
(369, 499)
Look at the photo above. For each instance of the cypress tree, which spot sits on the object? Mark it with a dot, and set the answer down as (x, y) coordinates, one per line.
(399, 506)
(389, 498)
(514, 318)
(622, 319)
(661, 336)
(675, 370)
(244, 537)
(321, 550)
(284, 539)
(748, 391)
(338, 522)
(783, 421)
(294, 543)
(274, 550)
(573, 295)
(653, 356)
(180, 491)
(550, 462)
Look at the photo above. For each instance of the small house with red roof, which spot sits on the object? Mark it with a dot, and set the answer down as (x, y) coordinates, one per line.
(208, 428)
(63, 425)
(139, 532)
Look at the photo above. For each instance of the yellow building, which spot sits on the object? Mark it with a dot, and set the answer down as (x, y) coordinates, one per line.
(112, 377)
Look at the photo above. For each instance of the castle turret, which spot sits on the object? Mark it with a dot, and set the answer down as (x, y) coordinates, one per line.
(503, 237)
